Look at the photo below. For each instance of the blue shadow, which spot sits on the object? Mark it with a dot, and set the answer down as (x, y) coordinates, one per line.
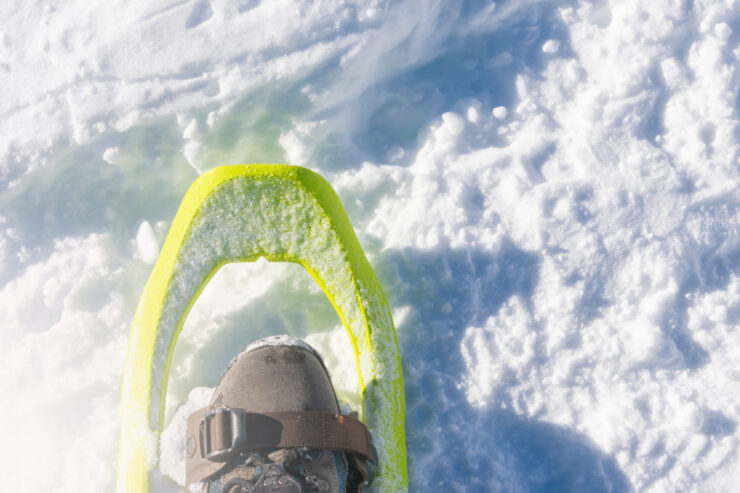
(451, 443)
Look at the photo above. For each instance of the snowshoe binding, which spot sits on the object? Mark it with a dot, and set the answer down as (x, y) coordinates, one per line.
(274, 425)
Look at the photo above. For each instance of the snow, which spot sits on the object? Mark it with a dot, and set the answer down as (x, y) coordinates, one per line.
(146, 242)
(551, 46)
(500, 112)
(548, 192)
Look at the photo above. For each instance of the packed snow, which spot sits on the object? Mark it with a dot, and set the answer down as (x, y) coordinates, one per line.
(548, 192)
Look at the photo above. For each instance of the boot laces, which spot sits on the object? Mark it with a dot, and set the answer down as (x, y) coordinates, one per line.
(279, 472)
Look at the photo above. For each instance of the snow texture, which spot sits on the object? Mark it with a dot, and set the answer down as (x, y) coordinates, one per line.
(548, 192)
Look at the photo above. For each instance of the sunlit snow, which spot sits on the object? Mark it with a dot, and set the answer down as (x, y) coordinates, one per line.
(547, 190)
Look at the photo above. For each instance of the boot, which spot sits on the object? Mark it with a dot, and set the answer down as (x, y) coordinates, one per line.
(273, 425)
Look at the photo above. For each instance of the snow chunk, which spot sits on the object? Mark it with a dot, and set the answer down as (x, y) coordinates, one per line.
(500, 112)
(472, 115)
(551, 46)
(112, 155)
(191, 130)
(172, 452)
(146, 243)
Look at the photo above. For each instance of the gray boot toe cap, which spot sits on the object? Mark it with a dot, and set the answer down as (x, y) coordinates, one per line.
(277, 374)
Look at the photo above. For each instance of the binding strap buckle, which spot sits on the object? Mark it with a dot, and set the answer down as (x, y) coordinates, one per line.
(222, 432)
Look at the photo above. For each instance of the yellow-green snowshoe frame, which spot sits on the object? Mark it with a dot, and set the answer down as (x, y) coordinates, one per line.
(240, 213)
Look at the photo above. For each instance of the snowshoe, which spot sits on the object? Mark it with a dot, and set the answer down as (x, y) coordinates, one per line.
(240, 214)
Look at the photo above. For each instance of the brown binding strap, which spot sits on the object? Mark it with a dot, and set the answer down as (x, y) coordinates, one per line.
(217, 433)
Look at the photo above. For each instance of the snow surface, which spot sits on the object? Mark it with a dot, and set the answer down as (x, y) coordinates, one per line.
(548, 192)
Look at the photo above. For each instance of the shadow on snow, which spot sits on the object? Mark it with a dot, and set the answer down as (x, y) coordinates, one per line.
(450, 442)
